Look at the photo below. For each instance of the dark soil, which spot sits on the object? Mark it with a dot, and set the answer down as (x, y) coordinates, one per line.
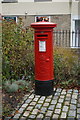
(11, 100)
(71, 86)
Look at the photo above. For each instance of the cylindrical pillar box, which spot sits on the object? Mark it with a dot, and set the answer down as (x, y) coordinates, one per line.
(44, 68)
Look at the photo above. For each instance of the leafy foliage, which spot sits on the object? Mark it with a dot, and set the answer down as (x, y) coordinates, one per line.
(17, 51)
(66, 66)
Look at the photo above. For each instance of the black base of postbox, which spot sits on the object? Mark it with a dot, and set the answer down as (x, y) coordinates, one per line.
(44, 88)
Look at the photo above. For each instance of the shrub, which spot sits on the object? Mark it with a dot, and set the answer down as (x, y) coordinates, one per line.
(65, 66)
(17, 51)
(17, 85)
(22, 84)
(11, 87)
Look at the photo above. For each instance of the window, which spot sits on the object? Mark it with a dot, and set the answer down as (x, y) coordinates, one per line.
(42, 0)
(8, 18)
(75, 43)
(42, 18)
(9, 1)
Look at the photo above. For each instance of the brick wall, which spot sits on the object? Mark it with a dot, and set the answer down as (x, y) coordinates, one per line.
(27, 20)
(63, 21)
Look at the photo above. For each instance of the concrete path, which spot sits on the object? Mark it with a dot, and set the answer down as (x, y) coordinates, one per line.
(63, 104)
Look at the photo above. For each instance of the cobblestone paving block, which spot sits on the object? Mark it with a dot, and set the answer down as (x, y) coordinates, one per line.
(37, 96)
(75, 91)
(50, 96)
(58, 105)
(74, 96)
(57, 111)
(33, 103)
(78, 116)
(78, 105)
(47, 100)
(66, 103)
(26, 113)
(55, 97)
(57, 94)
(67, 98)
(61, 100)
(21, 110)
(51, 107)
(73, 101)
(24, 105)
(32, 116)
(28, 101)
(46, 104)
(35, 99)
(35, 111)
(62, 97)
(58, 90)
(69, 91)
(31, 96)
(63, 92)
(40, 101)
(29, 108)
(43, 109)
(63, 115)
(54, 102)
(54, 89)
(78, 110)
(65, 108)
(42, 98)
(40, 116)
(72, 113)
(68, 95)
(73, 107)
(55, 116)
(49, 113)
(38, 106)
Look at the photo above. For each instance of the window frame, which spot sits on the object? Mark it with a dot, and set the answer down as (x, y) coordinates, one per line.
(43, 16)
(42, 0)
(74, 42)
(10, 17)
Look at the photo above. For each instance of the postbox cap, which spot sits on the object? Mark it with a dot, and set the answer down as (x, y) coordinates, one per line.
(43, 24)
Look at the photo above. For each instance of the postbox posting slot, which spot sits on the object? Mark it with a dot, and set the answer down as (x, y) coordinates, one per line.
(40, 36)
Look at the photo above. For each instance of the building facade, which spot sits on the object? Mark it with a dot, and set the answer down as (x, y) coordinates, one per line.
(65, 14)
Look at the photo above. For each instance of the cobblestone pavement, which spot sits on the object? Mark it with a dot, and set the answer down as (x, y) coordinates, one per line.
(63, 104)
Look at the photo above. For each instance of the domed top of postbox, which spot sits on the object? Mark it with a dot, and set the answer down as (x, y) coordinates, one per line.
(43, 24)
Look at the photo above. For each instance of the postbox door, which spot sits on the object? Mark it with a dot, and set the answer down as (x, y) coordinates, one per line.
(43, 57)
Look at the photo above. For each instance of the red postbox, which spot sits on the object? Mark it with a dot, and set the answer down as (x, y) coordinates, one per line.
(44, 68)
